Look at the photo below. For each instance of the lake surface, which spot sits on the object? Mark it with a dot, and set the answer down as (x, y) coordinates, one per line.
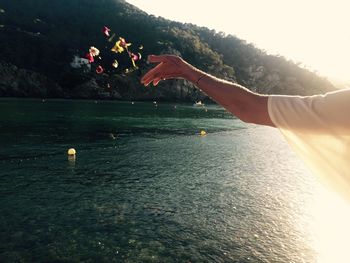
(146, 187)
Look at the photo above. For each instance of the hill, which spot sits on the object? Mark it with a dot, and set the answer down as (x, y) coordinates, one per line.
(39, 41)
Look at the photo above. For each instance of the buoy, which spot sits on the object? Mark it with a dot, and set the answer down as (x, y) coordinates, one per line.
(71, 152)
(203, 133)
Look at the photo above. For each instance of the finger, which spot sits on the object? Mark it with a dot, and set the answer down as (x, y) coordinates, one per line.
(156, 81)
(147, 83)
(150, 79)
(153, 73)
(147, 79)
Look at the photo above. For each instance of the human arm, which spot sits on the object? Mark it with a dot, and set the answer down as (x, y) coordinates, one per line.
(248, 106)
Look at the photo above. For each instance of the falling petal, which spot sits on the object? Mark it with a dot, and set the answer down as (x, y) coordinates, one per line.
(115, 64)
(133, 63)
(99, 70)
(117, 47)
(94, 51)
(106, 31)
(134, 57)
(123, 42)
(90, 57)
(111, 38)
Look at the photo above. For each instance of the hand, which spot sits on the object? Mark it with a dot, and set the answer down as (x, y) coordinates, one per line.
(169, 67)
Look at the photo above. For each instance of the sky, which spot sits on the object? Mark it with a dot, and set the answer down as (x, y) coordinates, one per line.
(313, 32)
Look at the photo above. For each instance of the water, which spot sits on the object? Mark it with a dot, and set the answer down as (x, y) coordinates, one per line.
(145, 187)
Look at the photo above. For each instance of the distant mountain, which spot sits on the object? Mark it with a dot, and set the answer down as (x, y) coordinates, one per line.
(39, 41)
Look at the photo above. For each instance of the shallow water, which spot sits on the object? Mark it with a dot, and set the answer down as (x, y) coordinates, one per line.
(145, 187)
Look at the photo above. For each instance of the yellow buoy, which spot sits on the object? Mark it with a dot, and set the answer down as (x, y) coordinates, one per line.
(71, 151)
(203, 133)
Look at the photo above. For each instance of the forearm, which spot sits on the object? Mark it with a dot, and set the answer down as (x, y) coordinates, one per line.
(241, 102)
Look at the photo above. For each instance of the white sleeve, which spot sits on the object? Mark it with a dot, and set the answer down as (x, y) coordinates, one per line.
(328, 113)
(318, 129)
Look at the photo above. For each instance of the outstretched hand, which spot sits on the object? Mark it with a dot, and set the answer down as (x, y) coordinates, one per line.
(169, 67)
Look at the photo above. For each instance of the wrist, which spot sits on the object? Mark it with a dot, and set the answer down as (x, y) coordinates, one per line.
(192, 74)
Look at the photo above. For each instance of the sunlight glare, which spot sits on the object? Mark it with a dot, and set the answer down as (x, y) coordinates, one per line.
(331, 227)
(312, 32)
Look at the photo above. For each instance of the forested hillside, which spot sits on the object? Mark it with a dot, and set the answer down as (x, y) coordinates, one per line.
(38, 42)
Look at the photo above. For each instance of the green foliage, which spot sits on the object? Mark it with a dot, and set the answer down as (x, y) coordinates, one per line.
(46, 35)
